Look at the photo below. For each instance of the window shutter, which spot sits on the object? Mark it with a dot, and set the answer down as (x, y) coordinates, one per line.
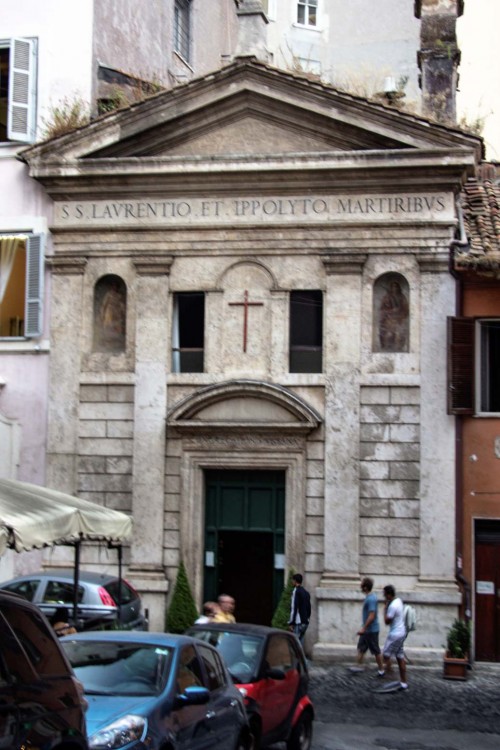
(461, 365)
(34, 286)
(21, 116)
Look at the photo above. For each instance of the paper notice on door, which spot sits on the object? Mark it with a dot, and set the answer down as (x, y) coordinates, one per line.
(485, 587)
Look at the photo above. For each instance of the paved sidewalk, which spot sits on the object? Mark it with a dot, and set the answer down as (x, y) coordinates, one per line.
(431, 702)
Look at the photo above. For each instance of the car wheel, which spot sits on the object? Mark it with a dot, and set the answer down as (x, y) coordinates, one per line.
(301, 736)
(245, 742)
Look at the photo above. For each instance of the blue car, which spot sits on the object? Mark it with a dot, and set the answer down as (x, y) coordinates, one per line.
(157, 691)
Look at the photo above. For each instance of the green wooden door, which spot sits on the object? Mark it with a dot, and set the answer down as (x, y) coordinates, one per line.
(245, 540)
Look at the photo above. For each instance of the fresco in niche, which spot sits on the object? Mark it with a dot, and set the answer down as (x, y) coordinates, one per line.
(110, 314)
(391, 314)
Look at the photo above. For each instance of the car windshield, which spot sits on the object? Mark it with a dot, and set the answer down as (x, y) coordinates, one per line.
(240, 651)
(113, 668)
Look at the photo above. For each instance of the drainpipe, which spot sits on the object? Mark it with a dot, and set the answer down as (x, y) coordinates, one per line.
(460, 578)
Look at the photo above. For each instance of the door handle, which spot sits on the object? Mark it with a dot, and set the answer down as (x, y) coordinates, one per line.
(210, 715)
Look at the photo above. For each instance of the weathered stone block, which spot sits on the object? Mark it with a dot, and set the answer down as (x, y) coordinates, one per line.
(93, 497)
(172, 501)
(404, 546)
(314, 525)
(390, 566)
(93, 428)
(92, 465)
(377, 413)
(315, 450)
(405, 395)
(171, 539)
(374, 508)
(171, 557)
(405, 470)
(120, 429)
(374, 469)
(389, 451)
(106, 482)
(172, 483)
(119, 501)
(315, 487)
(405, 433)
(390, 527)
(115, 465)
(105, 447)
(374, 545)
(388, 489)
(122, 393)
(172, 520)
(315, 469)
(314, 506)
(375, 432)
(375, 395)
(404, 508)
(106, 411)
(93, 393)
(314, 563)
(314, 543)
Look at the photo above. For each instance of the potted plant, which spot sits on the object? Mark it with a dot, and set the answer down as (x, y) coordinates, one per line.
(456, 659)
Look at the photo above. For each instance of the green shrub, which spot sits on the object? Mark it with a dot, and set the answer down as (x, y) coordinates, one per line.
(458, 639)
(182, 611)
(282, 613)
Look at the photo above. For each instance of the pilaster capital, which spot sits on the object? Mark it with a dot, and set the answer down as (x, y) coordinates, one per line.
(66, 265)
(340, 264)
(434, 262)
(154, 266)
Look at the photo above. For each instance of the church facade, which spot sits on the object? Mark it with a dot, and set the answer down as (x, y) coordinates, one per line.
(250, 283)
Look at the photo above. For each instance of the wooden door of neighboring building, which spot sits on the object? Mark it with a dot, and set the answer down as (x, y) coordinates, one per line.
(487, 591)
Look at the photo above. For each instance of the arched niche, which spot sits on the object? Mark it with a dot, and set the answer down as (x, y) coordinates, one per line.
(110, 314)
(391, 313)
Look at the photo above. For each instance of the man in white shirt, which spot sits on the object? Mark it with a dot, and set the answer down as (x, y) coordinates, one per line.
(393, 647)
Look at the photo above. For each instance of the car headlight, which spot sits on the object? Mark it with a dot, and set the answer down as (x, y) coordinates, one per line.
(122, 731)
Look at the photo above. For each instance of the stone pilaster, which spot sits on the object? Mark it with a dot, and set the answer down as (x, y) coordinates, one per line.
(150, 405)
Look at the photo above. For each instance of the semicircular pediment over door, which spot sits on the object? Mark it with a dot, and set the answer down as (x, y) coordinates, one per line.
(239, 405)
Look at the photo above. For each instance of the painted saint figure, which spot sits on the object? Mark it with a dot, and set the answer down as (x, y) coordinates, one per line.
(110, 314)
(393, 320)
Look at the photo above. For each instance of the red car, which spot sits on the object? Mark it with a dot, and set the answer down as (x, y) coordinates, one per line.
(269, 667)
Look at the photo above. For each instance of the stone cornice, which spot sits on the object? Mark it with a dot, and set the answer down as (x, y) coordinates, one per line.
(66, 265)
(341, 264)
(153, 266)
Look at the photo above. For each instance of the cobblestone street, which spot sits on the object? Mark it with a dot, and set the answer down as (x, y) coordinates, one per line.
(431, 702)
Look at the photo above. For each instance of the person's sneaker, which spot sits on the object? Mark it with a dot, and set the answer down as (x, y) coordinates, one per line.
(356, 670)
(380, 674)
(403, 686)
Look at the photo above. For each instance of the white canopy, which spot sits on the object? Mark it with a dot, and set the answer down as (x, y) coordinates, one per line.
(33, 517)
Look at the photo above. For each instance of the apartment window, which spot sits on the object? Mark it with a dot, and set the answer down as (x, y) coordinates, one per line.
(306, 331)
(21, 279)
(307, 12)
(188, 332)
(17, 90)
(182, 28)
(474, 366)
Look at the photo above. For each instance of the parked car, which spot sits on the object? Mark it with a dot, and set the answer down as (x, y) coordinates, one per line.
(269, 666)
(157, 691)
(41, 702)
(102, 601)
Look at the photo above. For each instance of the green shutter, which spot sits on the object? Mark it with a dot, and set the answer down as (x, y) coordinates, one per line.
(461, 365)
(34, 286)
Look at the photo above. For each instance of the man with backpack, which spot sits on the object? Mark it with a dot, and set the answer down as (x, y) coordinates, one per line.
(394, 642)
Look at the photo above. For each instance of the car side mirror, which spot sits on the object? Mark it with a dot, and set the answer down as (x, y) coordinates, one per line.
(192, 696)
(275, 673)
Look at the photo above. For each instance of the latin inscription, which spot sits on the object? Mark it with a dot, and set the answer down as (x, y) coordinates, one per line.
(242, 210)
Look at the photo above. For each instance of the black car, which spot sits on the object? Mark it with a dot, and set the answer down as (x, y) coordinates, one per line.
(270, 669)
(41, 701)
(103, 599)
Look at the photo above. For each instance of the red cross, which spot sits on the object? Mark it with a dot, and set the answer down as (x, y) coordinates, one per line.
(245, 304)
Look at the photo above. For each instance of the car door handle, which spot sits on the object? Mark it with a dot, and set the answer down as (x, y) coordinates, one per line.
(210, 715)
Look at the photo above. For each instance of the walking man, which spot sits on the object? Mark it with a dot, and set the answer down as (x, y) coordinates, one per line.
(369, 630)
(225, 612)
(300, 608)
(393, 647)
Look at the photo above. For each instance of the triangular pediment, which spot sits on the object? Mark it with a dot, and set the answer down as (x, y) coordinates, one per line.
(248, 109)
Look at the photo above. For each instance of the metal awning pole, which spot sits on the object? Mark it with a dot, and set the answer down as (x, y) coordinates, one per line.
(76, 578)
(120, 549)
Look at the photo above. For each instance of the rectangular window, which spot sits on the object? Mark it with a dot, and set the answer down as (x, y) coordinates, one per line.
(489, 365)
(307, 12)
(21, 280)
(18, 90)
(188, 332)
(306, 331)
(182, 28)
(473, 366)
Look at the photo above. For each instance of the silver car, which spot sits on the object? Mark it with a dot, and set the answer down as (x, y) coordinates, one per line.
(103, 600)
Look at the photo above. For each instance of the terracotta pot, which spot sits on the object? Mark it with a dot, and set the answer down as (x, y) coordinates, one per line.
(455, 669)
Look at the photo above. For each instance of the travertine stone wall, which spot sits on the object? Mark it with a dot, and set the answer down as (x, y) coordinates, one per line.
(389, 471)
